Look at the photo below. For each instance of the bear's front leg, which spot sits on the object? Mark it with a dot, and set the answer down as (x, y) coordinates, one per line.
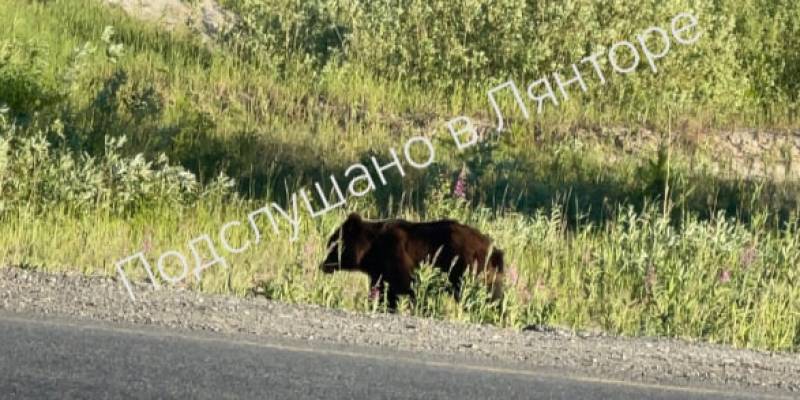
(388, 260)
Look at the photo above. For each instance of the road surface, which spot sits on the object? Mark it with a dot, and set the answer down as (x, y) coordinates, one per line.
(57, 358)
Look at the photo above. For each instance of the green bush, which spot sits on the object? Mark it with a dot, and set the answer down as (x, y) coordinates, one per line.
(38, 174)
(747, 56)
(25, 85)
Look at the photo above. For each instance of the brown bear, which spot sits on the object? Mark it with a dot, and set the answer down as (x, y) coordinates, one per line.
(389, 251)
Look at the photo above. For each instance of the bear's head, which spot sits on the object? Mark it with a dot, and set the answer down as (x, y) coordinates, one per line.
(347, 245)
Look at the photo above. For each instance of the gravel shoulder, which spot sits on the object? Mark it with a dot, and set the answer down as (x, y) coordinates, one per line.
(646, 360)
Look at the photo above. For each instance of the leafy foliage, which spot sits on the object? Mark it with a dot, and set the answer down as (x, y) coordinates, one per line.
(39, 174)
(447, 45)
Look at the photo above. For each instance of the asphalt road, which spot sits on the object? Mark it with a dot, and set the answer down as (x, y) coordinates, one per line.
(71, 359)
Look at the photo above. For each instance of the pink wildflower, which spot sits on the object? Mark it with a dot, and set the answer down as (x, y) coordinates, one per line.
(513, 274)
(725, 276)
(524, 295)
(749, 256)
(461, 184)
(374, 293)
(147, 242)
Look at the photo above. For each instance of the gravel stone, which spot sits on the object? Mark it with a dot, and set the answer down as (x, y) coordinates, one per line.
(651, 360)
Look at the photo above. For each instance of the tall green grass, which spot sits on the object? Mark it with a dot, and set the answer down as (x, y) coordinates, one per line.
(719, 280)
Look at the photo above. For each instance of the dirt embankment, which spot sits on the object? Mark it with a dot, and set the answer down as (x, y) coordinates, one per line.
(204, 17)
(739, 153)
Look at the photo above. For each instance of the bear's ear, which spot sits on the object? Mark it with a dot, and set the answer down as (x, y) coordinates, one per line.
(354, 217)
(352, 225)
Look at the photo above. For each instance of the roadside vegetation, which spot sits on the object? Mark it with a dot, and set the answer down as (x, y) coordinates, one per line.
(116, 137)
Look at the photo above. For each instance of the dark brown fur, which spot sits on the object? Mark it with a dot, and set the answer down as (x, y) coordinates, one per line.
(389, 251)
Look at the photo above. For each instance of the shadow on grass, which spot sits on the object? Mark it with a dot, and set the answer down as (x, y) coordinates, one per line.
(268, 168)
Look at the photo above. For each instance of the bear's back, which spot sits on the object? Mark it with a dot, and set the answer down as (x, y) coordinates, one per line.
(425, 238)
